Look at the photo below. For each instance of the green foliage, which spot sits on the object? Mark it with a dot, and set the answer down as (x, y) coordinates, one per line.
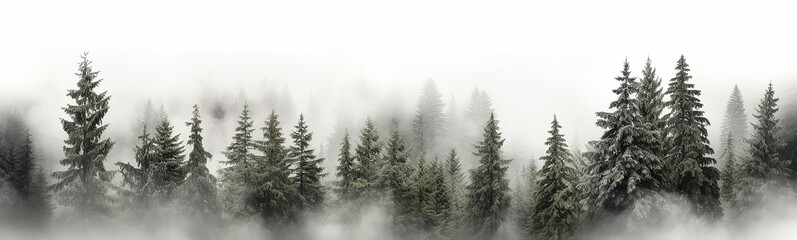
(692, 173)
(734, 124)
(274, 197)
(167, 164)
(344, 186)
(488, 193)
(368, 162)
(623, 165)
(236, 178)
(308, 172)
(198, 193)
(394, 178)
(83, 185)
(729, 171)
(555, 209)
(429, 121)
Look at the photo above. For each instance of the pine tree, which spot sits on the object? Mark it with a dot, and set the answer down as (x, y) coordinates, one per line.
(308, 172)
(428, 125)
(623, 166)
(368, 161)
(729, 171)
(138, 179)
(393, 178)
(32, 205)
(691, 169)
(456, 184)
(198, 192)
(651, 105)
(236, 178)
(344, 186)
(554, 213)
(480, 107)
(443, 210)
(167, 164)
(488, 193)
(275, 198)
(764, 170)
(83, 186)
(735, 122)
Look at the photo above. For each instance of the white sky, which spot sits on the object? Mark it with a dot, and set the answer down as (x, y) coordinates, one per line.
(535, 59)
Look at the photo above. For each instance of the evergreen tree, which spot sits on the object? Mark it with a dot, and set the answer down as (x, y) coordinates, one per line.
(308, 172)
(554, 213)
(691, 169)
(443, 212)
(729, 171)
(344, 186)
(623, 166)
(480, 107)
(275, 198)
(167, 164)
(428, 125)
(83, 186)
(488, 193)
(456, 184)
(236, 178)
(368, 161)
(198, 192)
(32, 206)
(138, 179)
(393, 178)
(764, 170)
(734, 124)
(651, 104)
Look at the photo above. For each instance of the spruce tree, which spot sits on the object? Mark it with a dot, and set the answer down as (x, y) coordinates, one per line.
(137, 178)
(623, 165)
(456, 184)
(33, 203)
(368, 162)
(729, 171)
(554, 212)
(236, 178)
(734, 123)
(275, 197)
(488, 193)
(651, 105)
(344, 186)
(393, 178)
(308, 172)
(198, 192)
(83, 186)
(763, 170)
(442, 195)
(692, 173)
(167, 164)
(428, 125)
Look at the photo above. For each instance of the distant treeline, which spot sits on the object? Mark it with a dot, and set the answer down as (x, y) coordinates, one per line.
(653, 154)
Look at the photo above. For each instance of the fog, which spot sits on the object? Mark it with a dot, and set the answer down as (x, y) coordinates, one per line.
(344, 61)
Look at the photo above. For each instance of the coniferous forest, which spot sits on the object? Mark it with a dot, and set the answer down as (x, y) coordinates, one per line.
(441, 173)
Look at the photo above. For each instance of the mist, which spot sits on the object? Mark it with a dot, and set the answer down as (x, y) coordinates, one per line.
(341, 63)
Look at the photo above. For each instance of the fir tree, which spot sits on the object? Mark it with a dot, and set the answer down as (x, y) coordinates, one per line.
(734, 124)
(83, 186)
(554, 213)
(488, 193)
(167, 164)
(623, 165)
(393, 178)
(429, 121)
(33, 206)
(691, 169)
(344, 186)
(236, 177)
(729, 171)
(308, 172)
(198, 192)
(443, 212)
(368, 161)
(456, 184)
(651, 104)
(275, 198)
(764, 170)
(137, 178)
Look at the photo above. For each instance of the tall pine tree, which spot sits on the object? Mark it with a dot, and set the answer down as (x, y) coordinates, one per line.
(344, 186)
(428, 125)
(393, 178)
(734, 124)
(651, 105)
(692, 173)
(83, 186)
(198, 192)
(275, 197)
(729, 171)
(488, 193)
(623, 166)
(308, 172)
(236, 178)
(554, 211)
(137, 178)
(764, 170)
(167, 164)
(368, 162)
